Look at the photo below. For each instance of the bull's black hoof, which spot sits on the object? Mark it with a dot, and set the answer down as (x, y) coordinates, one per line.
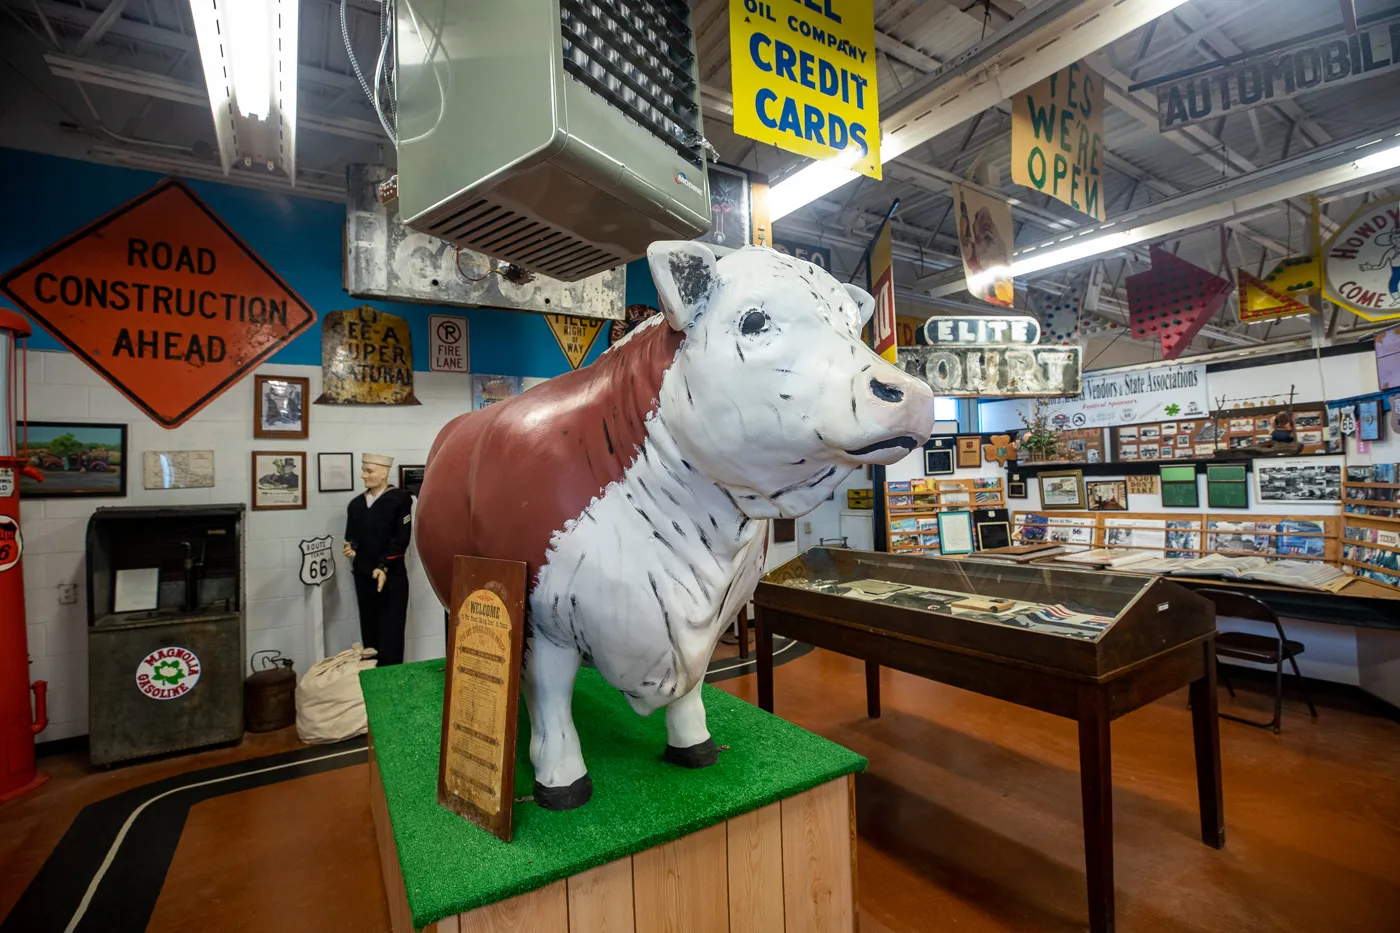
(696, 756)
(568, 797)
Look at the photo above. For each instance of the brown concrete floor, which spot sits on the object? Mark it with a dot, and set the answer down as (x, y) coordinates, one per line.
(968, 819)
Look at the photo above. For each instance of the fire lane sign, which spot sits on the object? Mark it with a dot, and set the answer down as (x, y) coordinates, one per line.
(162, 300)
(447, 344)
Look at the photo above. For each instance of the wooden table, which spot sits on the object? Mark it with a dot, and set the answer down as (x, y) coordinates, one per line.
(871, 632)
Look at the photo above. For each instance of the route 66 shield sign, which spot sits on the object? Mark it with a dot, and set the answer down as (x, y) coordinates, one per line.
(317, 562)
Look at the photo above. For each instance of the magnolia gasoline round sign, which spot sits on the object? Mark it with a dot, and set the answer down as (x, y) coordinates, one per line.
(168, 673)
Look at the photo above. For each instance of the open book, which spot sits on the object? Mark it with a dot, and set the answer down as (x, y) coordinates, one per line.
(1107, 557)
(1311, 574)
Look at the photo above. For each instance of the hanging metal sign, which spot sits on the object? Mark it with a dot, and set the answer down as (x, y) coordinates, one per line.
(1011, 330)
(1362, 263)
(162, 300)
(804, 78)
(1001, 371)
(1057, 141)
(1264, 77)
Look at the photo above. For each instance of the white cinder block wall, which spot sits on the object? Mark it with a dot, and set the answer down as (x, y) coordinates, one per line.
(63, 388)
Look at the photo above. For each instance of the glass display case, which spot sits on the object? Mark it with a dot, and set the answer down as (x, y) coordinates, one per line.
(1088, 645)
(1086, 622)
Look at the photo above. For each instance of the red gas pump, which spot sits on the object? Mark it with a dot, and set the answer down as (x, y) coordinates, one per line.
(18, 725)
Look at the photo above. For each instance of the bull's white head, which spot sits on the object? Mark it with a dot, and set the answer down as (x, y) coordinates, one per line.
(773, 395)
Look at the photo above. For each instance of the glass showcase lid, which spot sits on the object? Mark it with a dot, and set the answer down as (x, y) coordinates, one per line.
(1051, 600)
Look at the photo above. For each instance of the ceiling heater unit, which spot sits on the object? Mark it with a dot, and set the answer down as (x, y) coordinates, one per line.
(559, 135)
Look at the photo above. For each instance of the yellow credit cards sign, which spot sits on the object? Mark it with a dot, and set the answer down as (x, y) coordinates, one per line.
(804, 78)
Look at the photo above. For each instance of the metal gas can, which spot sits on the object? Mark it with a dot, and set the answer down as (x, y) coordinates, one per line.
(269, 694)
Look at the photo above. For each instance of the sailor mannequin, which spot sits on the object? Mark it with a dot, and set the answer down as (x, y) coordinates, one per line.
(378, 527)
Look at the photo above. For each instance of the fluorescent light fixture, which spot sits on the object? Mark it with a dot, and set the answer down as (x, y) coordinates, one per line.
(248, 52)
(1381, 161)
(250, 49)
(1024, 54)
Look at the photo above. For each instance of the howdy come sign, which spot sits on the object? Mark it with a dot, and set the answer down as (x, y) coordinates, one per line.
(1363, 263)
(163, 300)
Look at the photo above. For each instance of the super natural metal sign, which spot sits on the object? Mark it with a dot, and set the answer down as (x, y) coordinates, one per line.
(1284, 71)
(804, 78)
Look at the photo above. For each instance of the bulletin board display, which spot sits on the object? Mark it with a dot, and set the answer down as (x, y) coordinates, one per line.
(1200, 438)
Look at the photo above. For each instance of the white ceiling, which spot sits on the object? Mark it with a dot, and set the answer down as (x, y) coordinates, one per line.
(166, 128)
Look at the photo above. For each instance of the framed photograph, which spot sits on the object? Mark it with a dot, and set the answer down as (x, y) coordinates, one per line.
(1107, 495)
(335, 472)
(938, 461)
(78, 460)
(955, 533)
(729, 207)
(1147, 451)
(1150, 432)
(1016, 489)
(1307, 419)
(1168, 427)
(1128, 452)
(1063, 489)
(969, 452)
(279, 480)
(280, 406)
(992, 535)
(1299, 479)
(411, 479)
(1127, 434)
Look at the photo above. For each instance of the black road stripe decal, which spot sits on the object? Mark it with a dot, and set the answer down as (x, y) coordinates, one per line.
(125, 898)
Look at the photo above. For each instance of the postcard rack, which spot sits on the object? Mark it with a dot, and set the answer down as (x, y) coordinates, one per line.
(920, 501)
(1194, 535)
(1376, 501)
(1371, 546)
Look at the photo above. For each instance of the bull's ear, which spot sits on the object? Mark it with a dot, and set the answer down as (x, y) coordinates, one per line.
(685, 278)
(864, 303)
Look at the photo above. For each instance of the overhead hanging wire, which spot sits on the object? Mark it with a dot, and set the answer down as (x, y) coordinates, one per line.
(385, 35)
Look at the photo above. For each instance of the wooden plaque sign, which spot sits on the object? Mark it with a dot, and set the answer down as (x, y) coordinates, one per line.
(476, 768)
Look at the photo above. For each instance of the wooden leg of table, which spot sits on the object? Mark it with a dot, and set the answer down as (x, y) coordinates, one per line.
(1096, 784)
(872, 689)
(744, 632)
(763, 648)
(1205, 727)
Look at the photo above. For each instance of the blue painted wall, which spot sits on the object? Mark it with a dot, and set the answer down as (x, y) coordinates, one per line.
(48, 198)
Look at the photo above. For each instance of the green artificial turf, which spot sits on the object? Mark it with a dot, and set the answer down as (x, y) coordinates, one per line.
(639, 801)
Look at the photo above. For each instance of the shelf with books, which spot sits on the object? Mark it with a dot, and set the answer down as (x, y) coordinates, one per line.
(912, 508)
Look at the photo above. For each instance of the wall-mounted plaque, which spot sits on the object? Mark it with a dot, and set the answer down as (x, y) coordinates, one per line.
(476, 769)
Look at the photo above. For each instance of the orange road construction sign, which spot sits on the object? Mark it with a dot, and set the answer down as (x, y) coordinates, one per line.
(163, 300)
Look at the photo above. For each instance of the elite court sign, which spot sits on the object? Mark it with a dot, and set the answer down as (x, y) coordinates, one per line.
(162, 300)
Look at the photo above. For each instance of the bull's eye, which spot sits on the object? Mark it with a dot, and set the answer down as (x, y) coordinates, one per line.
(754, 322)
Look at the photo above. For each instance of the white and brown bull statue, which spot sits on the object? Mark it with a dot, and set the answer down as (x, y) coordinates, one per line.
(639, 489)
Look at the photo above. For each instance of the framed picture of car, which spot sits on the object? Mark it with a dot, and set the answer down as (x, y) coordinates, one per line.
(76, 459)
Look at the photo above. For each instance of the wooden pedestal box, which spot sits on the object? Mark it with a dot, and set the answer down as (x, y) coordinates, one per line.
(789, 867)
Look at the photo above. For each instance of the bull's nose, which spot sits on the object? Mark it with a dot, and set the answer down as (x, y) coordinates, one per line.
(886, 392)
